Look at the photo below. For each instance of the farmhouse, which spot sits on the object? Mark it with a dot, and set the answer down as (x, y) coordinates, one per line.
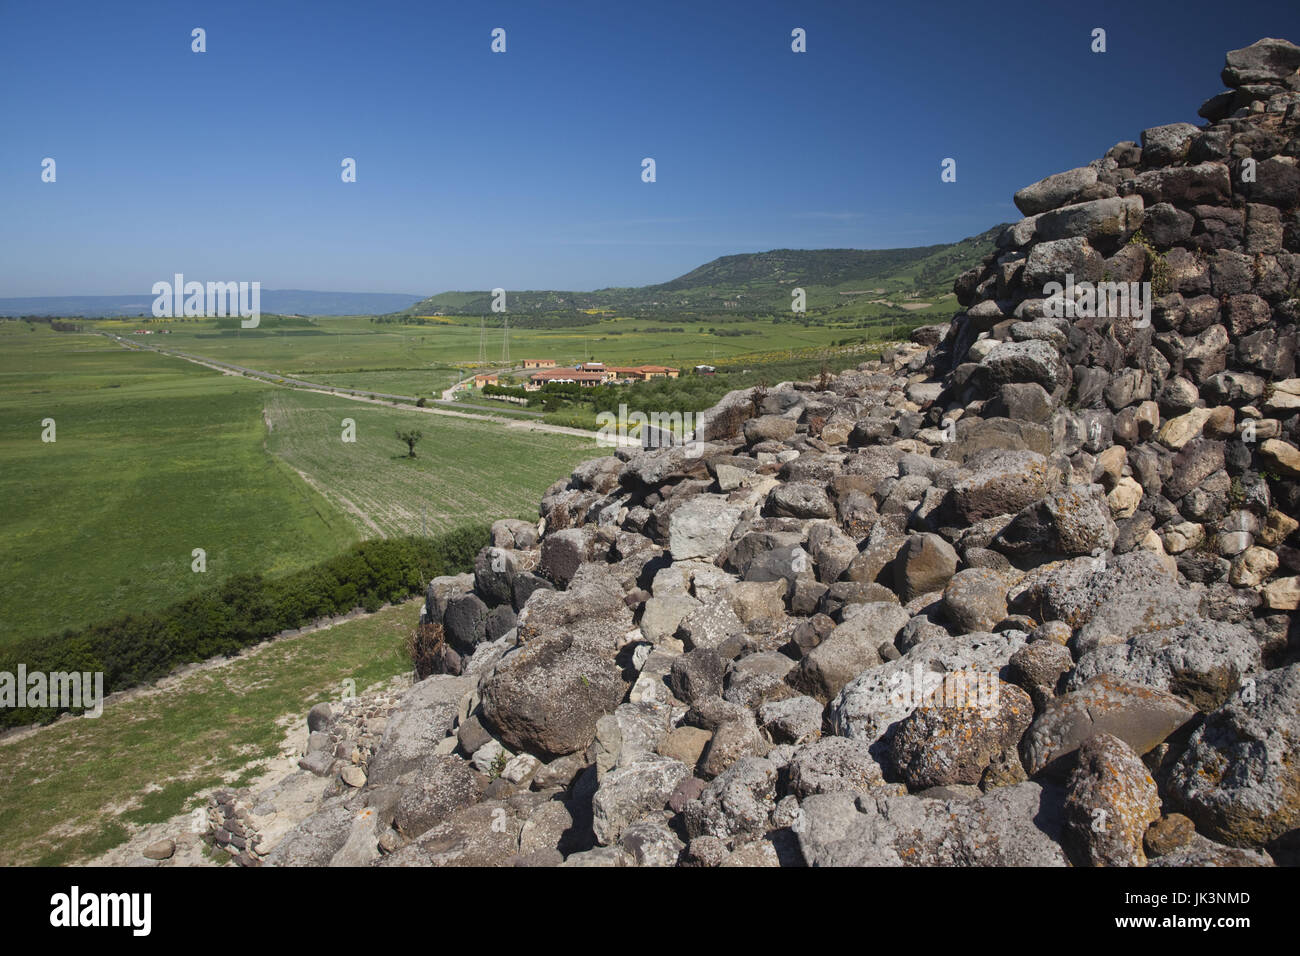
(487, 378)
(583, 377)
(642, 373)
(539, 363)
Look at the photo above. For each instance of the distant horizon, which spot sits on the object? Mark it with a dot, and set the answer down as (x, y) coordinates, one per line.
(541, 288)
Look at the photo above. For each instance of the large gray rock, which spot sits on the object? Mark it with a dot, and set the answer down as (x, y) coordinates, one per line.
(1074, 591)
(627, 793)
(1264, 61)
(1056, 190)
(1053, 261)
(563, 553)
(1165, 145)
(737, 804)
(1142, 717)
(872, 703)
(851, 648)
(769, 428)
(834, 765)
(484, 834)
(1105, 223)
(1239, 778)
(975, 599)
(799, 499)
(1075, 520)
(546, 696)
(925, 564)
(794, 720)
(1202, 662)
(701, 527)
(710, 625)
(1011, 826)
(423, 718)
(999, 483)
(465, 622)
(1033, 361)
(434, 791)
(315, 840)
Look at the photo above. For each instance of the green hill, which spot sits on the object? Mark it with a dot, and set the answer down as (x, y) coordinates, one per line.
(761, 282)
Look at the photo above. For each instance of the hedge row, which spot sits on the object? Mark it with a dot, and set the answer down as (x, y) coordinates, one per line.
(240, 611)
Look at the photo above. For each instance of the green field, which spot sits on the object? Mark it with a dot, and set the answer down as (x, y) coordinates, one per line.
(463, 469)
(73, 790)
(153, 458)
(423, 359)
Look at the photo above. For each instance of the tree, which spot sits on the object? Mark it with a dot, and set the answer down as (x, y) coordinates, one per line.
(410, 437)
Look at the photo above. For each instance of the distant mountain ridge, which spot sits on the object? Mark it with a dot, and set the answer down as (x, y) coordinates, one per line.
(281, 301)
(757, 281)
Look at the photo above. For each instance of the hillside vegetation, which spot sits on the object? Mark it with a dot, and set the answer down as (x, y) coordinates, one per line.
(757, 281)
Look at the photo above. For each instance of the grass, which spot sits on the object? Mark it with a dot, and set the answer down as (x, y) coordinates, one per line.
(73, 790)
(464, 470)
(153, 458)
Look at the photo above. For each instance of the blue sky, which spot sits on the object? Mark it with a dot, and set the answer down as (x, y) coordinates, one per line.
(523, 169)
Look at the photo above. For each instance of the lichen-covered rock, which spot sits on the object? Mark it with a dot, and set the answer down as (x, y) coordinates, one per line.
(1239, 778)
(975, 599)
(626, 793)
(834, 765)
(546, 696)
(1110, 801)
(431, 793)
(951, 740)
(1011, 826)
(1203, 662)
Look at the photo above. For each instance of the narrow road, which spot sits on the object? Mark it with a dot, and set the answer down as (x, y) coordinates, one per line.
(379, 398)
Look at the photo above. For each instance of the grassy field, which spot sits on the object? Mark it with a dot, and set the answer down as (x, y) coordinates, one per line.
(422, 359)
(153, 457)
(464, 470)
(73, 790)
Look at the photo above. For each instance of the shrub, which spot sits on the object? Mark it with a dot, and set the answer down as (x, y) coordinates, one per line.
(242, 610)
(424, 647)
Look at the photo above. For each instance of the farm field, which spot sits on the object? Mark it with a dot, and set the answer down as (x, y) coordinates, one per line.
(464, 469)
(75, 789)
(153, 457)
(354, 352)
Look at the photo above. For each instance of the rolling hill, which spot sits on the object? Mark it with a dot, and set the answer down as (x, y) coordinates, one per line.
(758, 282)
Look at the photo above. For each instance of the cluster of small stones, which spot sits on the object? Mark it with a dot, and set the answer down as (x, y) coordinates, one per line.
(230, 828)
(1018, 593)
(342, 737)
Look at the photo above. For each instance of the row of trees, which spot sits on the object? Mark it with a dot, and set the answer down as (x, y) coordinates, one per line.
(240, 611)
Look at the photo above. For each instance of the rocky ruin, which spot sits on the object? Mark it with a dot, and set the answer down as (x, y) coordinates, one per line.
(1021, 592)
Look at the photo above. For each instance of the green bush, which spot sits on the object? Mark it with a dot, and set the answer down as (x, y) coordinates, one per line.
(242, 610)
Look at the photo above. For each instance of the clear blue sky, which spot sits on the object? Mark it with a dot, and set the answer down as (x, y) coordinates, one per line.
(522, 169)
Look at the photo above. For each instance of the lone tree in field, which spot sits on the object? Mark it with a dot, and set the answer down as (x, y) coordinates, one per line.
(410, 437)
